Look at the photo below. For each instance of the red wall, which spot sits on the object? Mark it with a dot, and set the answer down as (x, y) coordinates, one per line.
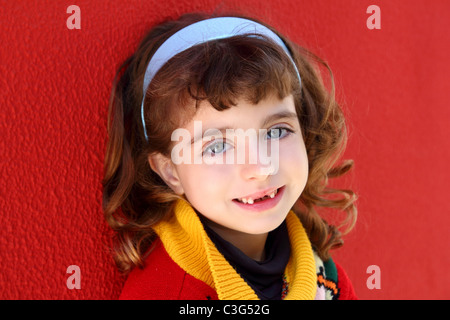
(54, 89)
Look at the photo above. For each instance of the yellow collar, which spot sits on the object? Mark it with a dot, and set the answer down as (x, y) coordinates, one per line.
(189, 246)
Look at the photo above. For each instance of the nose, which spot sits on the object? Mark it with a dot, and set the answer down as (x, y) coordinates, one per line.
(257, 172)
(257, 166)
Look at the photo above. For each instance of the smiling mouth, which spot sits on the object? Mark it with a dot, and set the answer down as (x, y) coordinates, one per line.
(250, 200)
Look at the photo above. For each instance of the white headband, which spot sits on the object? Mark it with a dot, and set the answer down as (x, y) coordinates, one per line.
(201, 32)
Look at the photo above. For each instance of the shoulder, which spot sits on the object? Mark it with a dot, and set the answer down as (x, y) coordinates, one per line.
(163, 279)
(339, 281)
(346, 291)
(332, 281)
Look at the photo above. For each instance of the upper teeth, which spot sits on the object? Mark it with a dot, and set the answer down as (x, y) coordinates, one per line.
(251, 201)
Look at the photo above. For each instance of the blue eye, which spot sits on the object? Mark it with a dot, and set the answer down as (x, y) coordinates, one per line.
(216, 148)
(278, 133)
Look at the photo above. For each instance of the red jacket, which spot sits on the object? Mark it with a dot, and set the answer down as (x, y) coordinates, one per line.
(163, 279)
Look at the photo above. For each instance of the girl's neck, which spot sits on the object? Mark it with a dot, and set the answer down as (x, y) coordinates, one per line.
(252, 245)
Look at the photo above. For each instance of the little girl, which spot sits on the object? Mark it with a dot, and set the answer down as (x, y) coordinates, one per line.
(200, 212)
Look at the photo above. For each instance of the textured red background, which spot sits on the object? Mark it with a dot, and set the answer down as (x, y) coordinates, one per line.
(54, 89)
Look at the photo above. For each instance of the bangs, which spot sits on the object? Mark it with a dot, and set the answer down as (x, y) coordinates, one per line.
(225, 71)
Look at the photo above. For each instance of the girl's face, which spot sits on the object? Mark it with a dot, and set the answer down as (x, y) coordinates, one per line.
(229, 179)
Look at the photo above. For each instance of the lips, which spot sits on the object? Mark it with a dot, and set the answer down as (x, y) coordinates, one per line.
(261, 201)
(256, 197)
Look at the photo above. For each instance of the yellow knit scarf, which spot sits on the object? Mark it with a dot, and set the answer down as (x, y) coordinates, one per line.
(189, 246)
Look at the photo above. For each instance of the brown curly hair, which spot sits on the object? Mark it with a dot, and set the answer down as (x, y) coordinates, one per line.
(135, 198)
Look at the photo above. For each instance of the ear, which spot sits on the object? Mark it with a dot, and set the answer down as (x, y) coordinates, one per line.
(165, 168)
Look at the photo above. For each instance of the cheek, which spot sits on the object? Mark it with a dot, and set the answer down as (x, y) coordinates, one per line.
(294, 161)
(204, 183)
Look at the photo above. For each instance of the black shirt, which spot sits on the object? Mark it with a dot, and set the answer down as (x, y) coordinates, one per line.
(264, 277)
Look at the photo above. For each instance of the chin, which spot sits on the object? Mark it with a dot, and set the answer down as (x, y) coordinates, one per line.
(263, 225)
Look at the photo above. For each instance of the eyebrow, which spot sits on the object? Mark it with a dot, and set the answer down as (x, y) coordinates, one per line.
(280, 115)
(269, 119)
